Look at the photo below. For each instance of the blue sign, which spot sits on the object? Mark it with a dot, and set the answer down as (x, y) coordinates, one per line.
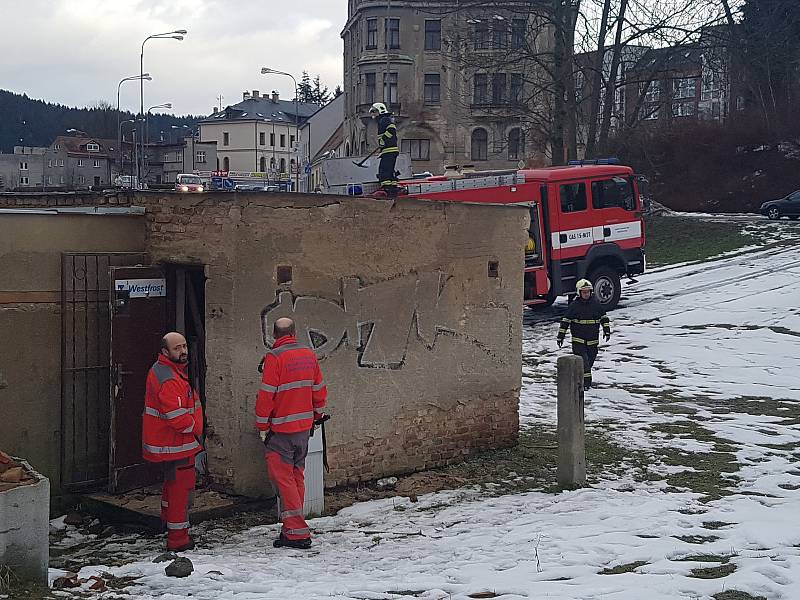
(307, 169)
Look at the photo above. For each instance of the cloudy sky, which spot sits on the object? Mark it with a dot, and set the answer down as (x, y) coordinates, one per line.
(75, 52)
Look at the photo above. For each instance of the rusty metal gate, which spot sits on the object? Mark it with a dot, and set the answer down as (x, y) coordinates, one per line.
(85, 366)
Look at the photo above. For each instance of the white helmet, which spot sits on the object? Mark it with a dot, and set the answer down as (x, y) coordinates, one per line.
(378, 108)
(583, 284)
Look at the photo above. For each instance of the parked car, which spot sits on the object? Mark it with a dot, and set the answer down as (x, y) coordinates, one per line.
(185, 182)
(126, 181)
(789, 206)
(255, 187)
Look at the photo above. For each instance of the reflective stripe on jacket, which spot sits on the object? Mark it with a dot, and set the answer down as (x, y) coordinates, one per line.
(292, 394)
(583, 319)
(173, 415)
(387, 135)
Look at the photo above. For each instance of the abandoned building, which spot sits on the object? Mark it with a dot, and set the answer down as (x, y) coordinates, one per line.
(414, 308)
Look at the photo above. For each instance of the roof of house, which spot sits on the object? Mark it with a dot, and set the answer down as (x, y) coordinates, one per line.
(77, 145)
(264, 108)
(671, 58)
(336, 140)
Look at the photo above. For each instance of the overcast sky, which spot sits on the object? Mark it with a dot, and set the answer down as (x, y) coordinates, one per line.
(75, 52)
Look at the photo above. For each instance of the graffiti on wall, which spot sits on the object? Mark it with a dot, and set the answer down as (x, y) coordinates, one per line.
(378, 320)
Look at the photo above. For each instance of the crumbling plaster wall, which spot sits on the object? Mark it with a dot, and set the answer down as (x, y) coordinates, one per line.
(420, 346)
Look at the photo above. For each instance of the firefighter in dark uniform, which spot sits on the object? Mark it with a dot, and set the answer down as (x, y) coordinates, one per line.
(389, 147)
(583, 318)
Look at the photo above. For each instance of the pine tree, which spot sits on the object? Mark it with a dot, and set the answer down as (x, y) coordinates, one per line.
(305, 93)
(320, 95)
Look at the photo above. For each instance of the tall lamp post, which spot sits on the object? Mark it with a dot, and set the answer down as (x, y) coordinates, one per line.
(178, 34)
(146, 139)
(119, 135)
(144, 77)
(266, 71)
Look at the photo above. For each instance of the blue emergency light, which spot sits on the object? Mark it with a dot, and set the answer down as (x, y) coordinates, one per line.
(594, 161)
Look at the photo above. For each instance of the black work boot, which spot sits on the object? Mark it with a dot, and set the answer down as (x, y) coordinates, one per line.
(284, 542)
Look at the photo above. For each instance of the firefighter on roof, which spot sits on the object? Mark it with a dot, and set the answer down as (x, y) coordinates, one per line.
(389, 147)
(583, 318)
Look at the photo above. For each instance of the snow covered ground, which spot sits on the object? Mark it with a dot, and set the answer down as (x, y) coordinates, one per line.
(700, 381)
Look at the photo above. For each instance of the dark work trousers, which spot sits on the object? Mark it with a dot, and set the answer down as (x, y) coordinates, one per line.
(176, 497)
(386, 170)
(588, 354)
(286, 462)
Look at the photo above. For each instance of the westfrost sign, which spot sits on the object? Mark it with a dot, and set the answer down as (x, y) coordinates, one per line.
(142, 288)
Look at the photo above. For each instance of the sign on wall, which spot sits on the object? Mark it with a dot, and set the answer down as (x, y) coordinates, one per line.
(142, 288)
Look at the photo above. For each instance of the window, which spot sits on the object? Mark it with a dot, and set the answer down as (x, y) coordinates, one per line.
(50, 164)
(418, 149)
(369, 88)
(651, 113)
(740, 104)
(390, 88)
(498, 88)
(283, 140)
(392, 33)
(283, 165)
(23, 180)
(57, 147)
(499, 34)
(92, 147)
(272, 139)
(226, 139)
(80, 162)
(262, 164)
(432, 90)
(433, 34)
(23, 166)
(516, 88)
(291, 141)
(573, 197)
(479, 145)
(96, 164)
(272, 164)
(517, 33)
(61, 180)
(613, 193)
(516, 144)
(49, 180)
(480, 90)
(60, 162)
(201, 156)
(683, 109)
(653, 93)
(684, 88)
(262, 138)
(481, 35)
(372, 34)
(81, 179)
(712, 84)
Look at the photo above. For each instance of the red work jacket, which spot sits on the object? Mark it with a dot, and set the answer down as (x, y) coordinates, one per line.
(292, 394)
(172, 421)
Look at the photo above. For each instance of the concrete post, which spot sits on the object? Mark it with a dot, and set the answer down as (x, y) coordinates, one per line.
(571, 447)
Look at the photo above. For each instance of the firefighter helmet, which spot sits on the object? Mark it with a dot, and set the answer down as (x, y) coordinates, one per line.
(583, 284)
(378, 108)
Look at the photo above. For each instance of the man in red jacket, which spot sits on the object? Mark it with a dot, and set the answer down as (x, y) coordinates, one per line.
(291, 398)
(172, 425)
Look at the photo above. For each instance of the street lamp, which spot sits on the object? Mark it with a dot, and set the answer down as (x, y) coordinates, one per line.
(146, 139)
(266, 71)
(178, 34)
(119, 137)
(144, 77)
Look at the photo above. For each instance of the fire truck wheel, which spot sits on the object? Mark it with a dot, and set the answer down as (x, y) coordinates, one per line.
(607, 286)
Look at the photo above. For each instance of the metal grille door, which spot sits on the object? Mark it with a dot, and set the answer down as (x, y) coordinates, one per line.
(85, 366)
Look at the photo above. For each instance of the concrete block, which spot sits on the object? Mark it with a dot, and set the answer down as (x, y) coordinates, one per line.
(25, 527)
(571, 441)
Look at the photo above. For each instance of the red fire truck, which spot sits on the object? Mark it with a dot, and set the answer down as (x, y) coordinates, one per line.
(586, 222)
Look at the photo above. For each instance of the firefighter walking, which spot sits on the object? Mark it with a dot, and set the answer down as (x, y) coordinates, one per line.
(291, 398)
(172, 425)
(583, 319)
(389, 148)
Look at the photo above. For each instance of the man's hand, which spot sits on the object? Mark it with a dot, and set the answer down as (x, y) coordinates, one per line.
(560, 342)
(606, 336)
(263, 435)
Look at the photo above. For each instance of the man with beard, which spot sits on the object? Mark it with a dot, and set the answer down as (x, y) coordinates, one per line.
(172, 425)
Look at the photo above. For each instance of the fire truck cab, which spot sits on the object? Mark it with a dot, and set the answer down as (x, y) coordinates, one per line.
(585, 222)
